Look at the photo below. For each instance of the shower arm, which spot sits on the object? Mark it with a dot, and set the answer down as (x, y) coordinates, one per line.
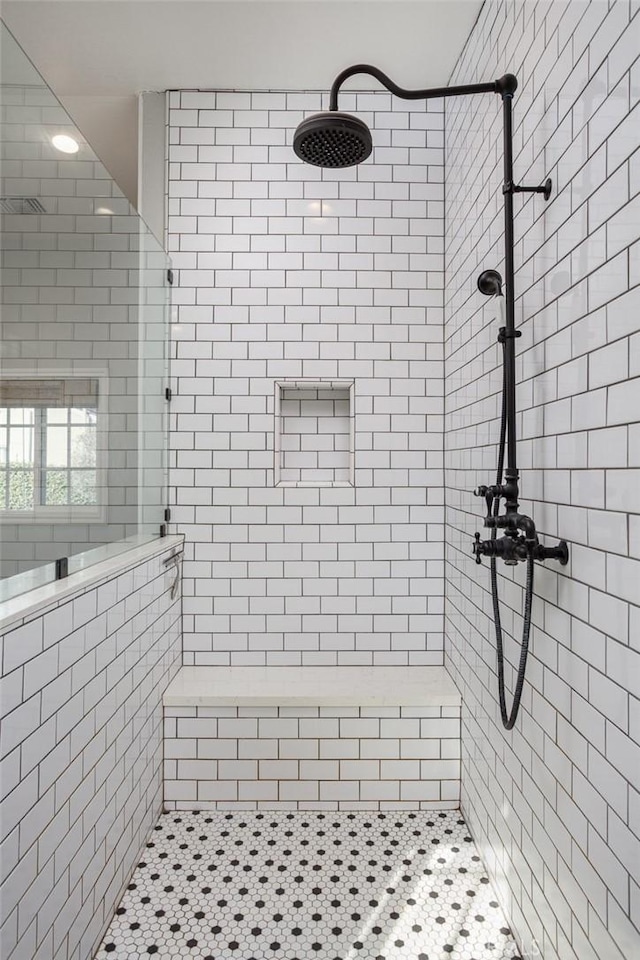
(429, 94)
(506, 87)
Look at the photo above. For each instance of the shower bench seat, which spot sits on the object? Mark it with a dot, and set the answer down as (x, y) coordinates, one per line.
(312, 738)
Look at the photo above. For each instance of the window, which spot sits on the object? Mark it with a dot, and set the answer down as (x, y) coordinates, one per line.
(49, 449)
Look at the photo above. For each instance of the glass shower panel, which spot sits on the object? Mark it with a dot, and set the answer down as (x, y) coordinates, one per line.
(153, 325)
(83, 346)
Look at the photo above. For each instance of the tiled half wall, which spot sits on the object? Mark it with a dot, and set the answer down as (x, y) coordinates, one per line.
(81, 743)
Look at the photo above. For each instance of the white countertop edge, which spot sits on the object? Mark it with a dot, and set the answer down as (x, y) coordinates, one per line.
(27, 605)
(423, 687)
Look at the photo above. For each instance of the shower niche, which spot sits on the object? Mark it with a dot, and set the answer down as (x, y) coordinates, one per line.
(314, 433)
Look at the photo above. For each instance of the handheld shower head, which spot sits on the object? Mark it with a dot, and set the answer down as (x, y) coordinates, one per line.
(332, 139)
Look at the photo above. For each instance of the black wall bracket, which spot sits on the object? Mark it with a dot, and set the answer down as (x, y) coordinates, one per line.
(544, 188)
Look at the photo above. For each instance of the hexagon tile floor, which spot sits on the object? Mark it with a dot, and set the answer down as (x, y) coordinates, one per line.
(310, 886)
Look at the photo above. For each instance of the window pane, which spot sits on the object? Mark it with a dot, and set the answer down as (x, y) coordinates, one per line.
(57, 446)
(57, 492)
(83, 487)
(83, 415)
(21, 446)
(21, 484)
(83, 446)
(57, 415)
(21, 415)
(62, 438)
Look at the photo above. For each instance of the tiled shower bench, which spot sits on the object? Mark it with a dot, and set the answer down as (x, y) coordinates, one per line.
(312, 738)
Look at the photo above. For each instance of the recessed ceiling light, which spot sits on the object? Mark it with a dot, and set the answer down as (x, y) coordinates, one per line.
(65, 143)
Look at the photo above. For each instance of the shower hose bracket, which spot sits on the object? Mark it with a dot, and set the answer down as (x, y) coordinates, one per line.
(504, 334)
(544, 188)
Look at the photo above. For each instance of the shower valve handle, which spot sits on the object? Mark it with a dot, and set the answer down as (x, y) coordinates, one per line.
(507, 548)
(513, 549)
(477, 549)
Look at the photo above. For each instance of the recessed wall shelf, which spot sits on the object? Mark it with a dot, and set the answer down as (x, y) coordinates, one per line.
(314, 433)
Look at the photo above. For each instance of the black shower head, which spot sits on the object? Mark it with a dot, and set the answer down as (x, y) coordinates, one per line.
(332, 139)
(335, 139)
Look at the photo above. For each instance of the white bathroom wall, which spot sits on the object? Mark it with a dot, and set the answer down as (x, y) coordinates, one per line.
(81, 756)
(555, 803)
(286, 272)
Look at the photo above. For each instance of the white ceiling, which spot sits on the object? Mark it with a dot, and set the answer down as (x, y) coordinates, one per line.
(118, 48)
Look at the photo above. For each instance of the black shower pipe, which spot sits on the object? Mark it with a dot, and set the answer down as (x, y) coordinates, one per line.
(506, 87)
(511, 473)
(430, 94)
(520, 541)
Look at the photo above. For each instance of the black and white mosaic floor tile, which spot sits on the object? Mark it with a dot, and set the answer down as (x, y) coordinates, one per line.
(310, 886)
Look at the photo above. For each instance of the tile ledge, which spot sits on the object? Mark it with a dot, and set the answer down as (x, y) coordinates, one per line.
(23, 607)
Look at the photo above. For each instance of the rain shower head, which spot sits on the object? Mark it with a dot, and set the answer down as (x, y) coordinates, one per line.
(335, 139)
(332, 139)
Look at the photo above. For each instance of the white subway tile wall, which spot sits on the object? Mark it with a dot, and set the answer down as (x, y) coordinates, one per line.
(287, 272)
(312, 758)
(81, 758)
(554, 805)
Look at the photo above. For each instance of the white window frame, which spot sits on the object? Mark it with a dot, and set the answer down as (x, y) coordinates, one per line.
(69, 513)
